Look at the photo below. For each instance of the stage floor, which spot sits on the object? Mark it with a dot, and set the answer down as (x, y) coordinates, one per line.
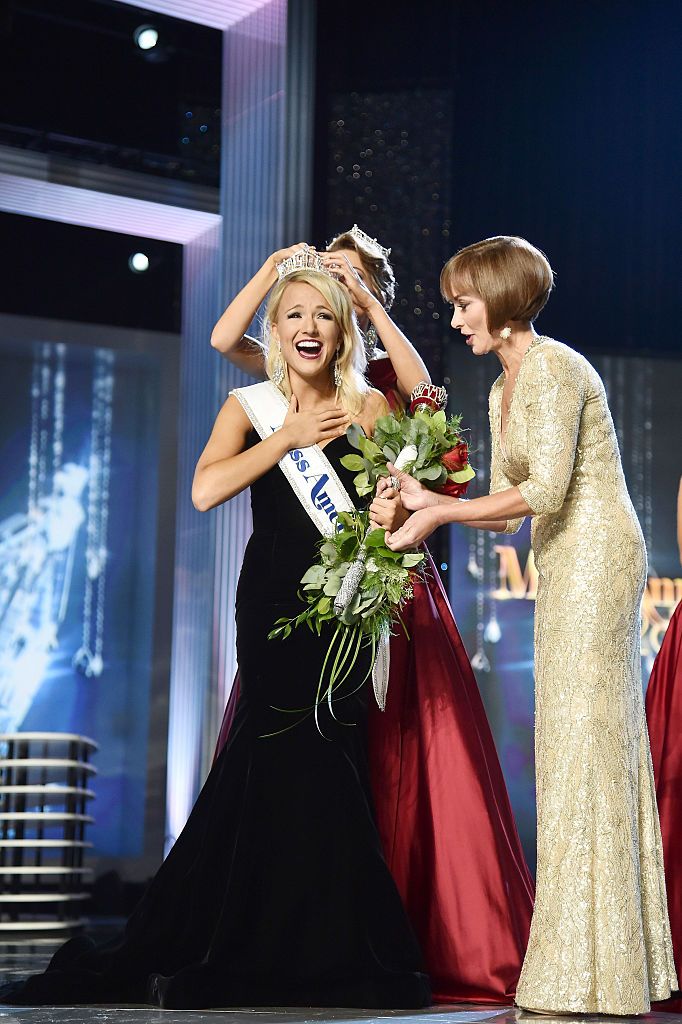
(18, 960)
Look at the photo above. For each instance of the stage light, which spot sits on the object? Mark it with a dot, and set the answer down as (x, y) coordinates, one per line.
(138, 262)
(146, 37)
(444, 566)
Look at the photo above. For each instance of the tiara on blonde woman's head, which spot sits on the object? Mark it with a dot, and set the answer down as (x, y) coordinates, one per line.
(369, 244)
(302, 259)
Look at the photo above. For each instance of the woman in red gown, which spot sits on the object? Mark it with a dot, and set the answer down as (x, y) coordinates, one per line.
(664, 719)
(441, 803)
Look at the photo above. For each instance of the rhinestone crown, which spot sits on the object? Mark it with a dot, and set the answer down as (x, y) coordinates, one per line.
(302, 259)
(370, 244)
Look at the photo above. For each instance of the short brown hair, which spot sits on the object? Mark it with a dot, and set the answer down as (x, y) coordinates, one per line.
(512, 277)
(379, 270)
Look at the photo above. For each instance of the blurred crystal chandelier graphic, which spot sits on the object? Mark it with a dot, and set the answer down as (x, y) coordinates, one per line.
(38, 546)
(88, 658)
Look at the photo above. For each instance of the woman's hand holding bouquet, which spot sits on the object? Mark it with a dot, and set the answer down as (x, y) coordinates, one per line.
(359, 581)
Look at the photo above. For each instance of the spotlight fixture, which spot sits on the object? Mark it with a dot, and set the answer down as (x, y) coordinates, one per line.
(138, 262)
(146, 37)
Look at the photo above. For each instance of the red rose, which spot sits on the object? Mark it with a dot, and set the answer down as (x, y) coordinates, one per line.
(453, 489)
(457, 458)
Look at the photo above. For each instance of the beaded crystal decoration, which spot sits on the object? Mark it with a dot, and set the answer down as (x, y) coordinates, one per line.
(369, 244)
(371, 340)
(278, 369)
(302, 259)
(88, 659)
(351, 581)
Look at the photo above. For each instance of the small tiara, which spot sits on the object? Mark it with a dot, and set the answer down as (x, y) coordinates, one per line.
(302, 259)
(370, 244)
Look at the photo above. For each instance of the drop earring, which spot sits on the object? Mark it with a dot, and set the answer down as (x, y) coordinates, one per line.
(371, 342)
(278, 369)
(338, 376)
(505, 333)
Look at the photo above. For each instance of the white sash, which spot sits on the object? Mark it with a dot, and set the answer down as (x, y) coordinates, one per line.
(310, 473)
(316, 485)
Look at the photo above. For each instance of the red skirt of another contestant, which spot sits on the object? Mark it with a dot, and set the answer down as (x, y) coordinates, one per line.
(443, 812)
(441, 801)
(664, 719)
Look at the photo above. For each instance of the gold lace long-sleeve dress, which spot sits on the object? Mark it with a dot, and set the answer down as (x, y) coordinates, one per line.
(600, 937)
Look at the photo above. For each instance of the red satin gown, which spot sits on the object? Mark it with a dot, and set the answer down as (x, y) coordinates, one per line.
(441, 802)
(664, 720)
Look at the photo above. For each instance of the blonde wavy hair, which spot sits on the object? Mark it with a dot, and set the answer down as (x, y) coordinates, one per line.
(350, 359)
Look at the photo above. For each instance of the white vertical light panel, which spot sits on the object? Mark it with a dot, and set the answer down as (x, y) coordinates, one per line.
(252, 203)
(191, 653)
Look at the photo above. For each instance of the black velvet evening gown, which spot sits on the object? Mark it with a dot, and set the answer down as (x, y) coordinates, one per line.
(276, 892)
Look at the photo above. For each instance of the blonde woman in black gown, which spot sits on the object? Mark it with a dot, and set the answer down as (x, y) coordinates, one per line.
(276, 892)
(433, 737)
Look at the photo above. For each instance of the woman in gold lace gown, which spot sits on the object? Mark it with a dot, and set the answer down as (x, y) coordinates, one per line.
(600, 937)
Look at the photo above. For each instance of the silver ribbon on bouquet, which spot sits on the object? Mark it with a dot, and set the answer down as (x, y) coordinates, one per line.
(349, 588)
(382, 667)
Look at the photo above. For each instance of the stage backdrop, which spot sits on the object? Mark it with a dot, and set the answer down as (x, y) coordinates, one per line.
(492, 579)
(79, 516)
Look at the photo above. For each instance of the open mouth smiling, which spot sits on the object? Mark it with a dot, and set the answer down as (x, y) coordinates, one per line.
(309, 348)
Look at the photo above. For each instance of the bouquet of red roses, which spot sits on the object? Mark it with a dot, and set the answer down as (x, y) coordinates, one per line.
(426, 444)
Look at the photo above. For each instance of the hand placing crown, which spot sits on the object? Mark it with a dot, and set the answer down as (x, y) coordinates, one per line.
(307, 257)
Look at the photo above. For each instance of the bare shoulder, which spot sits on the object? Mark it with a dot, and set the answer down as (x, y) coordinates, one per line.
(376, 401)
(230, 432)
(375, 406)
(231, 423)
(232, 411)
